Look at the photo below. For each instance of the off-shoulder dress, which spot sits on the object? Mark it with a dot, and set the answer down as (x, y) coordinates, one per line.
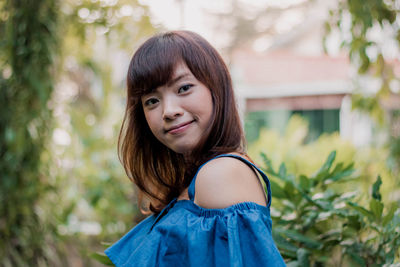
(185, 234)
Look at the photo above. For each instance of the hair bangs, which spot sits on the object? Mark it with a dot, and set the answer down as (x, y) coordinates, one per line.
(153, 65)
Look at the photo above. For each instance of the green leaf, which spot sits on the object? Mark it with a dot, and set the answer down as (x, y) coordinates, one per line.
(310, 220)
(102, 258)
(375, 188)
(283, 244)
(328, 163)
(268, 164)
(360, 210)
(390, 215)
(376, 208)
(296, 236)
(357, 259)
(293, 264)
(106, 244)
(334, 234)
(289, 190)
(340, 175)
(323, 172)
(346, 196)
(277, 190)
(310, 200)
(324, 204)
(353, 221)
(304, 183)
(302, 257)
(282, 171)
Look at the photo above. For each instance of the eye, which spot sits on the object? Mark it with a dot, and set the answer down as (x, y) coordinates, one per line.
(184, 88)
(150, 102)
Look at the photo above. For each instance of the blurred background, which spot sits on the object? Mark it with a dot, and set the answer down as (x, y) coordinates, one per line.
(317, 85)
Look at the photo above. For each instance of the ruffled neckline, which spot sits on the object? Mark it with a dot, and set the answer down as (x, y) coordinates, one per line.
(200, 211)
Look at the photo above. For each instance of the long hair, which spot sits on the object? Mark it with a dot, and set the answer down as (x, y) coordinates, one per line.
(159, 172)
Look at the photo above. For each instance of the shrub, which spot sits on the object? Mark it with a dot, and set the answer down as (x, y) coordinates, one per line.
(318, 223)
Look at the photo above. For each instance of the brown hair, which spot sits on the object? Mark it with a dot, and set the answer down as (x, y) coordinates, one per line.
(159, 172)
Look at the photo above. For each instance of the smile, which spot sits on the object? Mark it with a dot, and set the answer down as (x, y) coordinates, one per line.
(179, 128)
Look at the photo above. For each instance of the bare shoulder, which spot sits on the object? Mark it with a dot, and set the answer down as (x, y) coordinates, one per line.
(225, 181)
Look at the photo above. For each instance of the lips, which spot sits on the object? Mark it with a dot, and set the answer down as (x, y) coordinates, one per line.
(178, 128)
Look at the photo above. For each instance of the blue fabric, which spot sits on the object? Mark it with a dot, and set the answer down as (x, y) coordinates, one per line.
(185, 234)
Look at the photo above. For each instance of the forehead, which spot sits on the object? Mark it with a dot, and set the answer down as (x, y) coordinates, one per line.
(180, 72)
(180, 69)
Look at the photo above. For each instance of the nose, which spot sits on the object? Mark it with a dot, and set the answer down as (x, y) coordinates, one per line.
(171, 108)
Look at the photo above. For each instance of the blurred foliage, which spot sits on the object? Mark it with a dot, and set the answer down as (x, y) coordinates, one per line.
(28, 48)
(62, 66)
(102, 257)
(91, 26)
(304, 158)
(319, 122)
(360, 17)
(319, 224)
(239, 24)
(289, 147)
(326, 213)
(370, 29)
(90, 100)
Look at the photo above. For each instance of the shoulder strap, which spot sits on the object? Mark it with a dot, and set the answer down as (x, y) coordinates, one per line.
(191, 190)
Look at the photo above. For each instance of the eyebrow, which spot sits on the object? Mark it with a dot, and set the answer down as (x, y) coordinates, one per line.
(176, 79)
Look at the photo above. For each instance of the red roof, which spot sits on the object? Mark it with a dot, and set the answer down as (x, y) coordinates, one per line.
(279, 67)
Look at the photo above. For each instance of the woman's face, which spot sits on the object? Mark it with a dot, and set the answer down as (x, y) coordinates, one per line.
(179, 112)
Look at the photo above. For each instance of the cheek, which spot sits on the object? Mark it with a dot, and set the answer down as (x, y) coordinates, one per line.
(151, 122)
(209, 108)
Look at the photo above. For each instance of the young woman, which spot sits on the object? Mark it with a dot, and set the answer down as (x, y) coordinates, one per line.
(182, 144)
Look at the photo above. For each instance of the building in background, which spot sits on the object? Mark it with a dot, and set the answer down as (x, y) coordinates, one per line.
(273, 86)
(293, 75)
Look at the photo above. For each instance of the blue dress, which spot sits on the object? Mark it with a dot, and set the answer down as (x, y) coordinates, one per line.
(185, 234)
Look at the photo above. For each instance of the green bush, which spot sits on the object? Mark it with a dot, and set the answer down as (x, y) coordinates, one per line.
(315, 225)
(304, 158)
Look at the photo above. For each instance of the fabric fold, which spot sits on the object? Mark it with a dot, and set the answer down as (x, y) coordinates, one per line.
(189, 235)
